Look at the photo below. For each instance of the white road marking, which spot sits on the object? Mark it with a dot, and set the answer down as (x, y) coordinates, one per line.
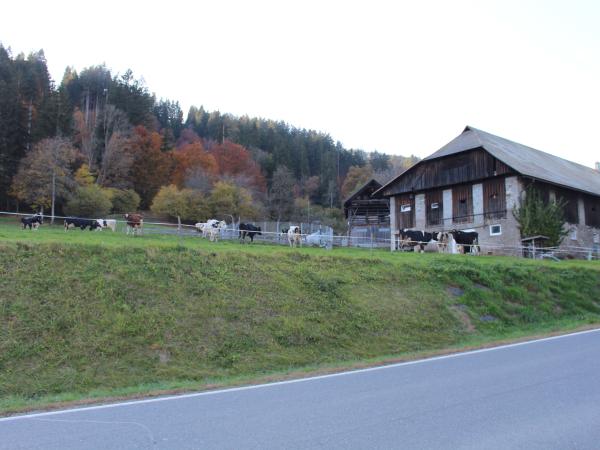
(297, 380)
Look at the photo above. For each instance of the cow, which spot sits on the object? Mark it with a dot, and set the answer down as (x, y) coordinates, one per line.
(135, 223)
(204, 227)
(32, 222)
(469, 240)
(82, 224)
(212, 229)
(106, 223)
(248, 229)
(415, 238)
(200, 226)
(294, 235)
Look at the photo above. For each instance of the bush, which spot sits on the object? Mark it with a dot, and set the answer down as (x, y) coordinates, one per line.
(189, 204)
(124, 200)
(89, 201)
(536, 217)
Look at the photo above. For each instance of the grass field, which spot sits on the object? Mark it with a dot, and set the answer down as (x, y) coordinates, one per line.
(98, 314)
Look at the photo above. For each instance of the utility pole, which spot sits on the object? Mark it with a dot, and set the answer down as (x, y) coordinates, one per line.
(53, 191)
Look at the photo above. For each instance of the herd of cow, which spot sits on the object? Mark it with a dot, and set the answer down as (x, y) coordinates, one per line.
(455, 241)
(134, 223)
(212, 228)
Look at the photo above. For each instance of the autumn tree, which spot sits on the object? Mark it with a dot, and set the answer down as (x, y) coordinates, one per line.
(227, 199)
(115, 159)
(281, 198)
(356, 177)
(151, 167)
(192, 161)
(83, 176)
(45, 175)
(234, 162)
(187, 204)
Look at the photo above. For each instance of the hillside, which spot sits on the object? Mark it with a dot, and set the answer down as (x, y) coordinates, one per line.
(99, 314)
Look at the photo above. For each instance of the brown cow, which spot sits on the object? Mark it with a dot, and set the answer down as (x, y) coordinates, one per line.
(135, 222)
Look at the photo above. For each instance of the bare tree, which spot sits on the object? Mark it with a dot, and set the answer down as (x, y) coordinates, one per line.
(115, 160)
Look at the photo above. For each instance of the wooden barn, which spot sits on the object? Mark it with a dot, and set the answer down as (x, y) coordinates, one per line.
(475, 181)
(368, 216)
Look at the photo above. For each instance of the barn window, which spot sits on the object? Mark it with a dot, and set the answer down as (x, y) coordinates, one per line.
(495, 230)
(462, 204)
(494, 198)
(573, 234)
(434, 207)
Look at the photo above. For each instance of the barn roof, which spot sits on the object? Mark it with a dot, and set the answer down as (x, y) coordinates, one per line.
(371, 184)
(525, 160)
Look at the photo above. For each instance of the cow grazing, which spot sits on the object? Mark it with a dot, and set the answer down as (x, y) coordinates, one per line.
(135, 223)
(294, 235)
(32, 222)
(248, 229)
(106, 223)
(469, 240)
(416, 239)
(82, 224)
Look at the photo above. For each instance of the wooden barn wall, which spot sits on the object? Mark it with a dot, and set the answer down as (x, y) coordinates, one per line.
(592, 211)
(434, 215)
(456, 169)
(570, 197)
(405, 219)
(571, 200)
(462, 203)
(494, 198)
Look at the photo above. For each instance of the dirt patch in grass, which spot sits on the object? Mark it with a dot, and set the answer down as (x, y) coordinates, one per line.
(461, 312)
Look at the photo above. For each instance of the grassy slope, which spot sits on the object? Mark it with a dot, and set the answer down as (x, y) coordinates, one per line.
(82, 311)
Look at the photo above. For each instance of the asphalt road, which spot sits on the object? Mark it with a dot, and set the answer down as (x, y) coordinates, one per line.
(539, 395)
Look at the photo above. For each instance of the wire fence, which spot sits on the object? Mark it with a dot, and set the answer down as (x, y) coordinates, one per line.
(318, 235)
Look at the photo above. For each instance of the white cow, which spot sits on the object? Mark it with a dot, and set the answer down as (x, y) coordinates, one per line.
(200, 227)
(294, 236)
(107, 223)
(447, 243)
(212, 229)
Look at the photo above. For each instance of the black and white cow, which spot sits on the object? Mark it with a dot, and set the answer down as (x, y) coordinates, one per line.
(247, 229)
(76, 222)
(468, 239)
(294, 235)
(107, 223)
(32, 222)
(416, 239)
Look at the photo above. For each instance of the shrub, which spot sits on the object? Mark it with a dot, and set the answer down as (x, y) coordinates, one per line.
(89, 201)
(124, 200)
(188, 204)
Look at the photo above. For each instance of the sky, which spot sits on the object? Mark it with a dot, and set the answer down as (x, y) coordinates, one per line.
(392, 76)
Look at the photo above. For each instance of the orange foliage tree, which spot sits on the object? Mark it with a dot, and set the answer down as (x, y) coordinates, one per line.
(151, 166)
(190, 160)
(234, 162)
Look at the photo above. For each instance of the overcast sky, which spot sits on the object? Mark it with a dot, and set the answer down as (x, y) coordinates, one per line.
(397, 77)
